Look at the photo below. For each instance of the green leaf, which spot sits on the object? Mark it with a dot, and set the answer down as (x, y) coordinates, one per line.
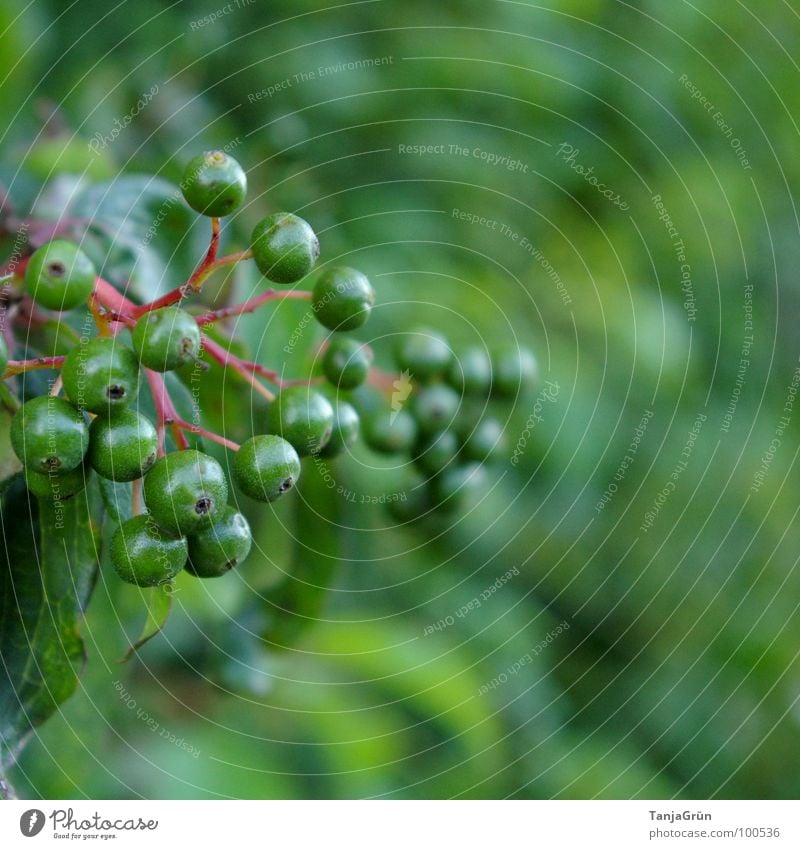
(117, 499)
(143, 236)
(48, 569)
(158, 603)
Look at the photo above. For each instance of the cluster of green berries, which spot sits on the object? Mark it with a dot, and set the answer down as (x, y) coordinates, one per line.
(97, 428)
(444, 416)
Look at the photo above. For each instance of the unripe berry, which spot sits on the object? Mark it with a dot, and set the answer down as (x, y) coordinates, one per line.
(434, 453)
(101, 375)
(514, 370)
(185, 489)
(346, 362)
(265, 467)
(390, 431)
(214, 183)
(57, 487)
(367, 401)
(166, 339)
(424, 353)
(485, 441)
(302, 416)
(217, 548)
(123, 446)
(415, 505)
(49, 435)
(59, 275)
(342, 299)
(435, 407)
(142, 553)
(346, 427)
(451, 488)
(284, 247)
(471, 373)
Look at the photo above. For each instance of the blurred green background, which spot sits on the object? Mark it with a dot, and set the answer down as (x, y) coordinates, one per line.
(678, 674)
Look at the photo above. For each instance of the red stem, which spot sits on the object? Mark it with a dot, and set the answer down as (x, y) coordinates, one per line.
(15, 268)
(211, 254)
(242, 367)
(252, 304)
(382, 380)
(193, 285)
(114, 301)
(165, 411)
(19, 366)
(208, 434)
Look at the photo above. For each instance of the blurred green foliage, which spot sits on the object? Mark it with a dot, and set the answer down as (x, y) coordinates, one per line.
(678, 675)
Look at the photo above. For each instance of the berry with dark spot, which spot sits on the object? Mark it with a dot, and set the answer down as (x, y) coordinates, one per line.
(49, 435)
(101, 376)
(266, 467)
(219, 547)
(143, 554)
(166, 339)
(57, 488)
(184, 489)
(122, 446)
(59, 275)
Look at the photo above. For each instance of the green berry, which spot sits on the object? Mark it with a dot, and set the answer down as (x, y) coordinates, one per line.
(485, 441)
(415, 504)
(3, 354)
(284, 247)
(435, 407)
(451, 488)
(346, 426)
(515, 370)
(342, 299)
(101, 375)
(214, 184)
(346, 362)
(220, 546)
(434, 453)
(390, 431)
(367, 401)
(166, 339)
(48, 434)
(59, 275)
(184, 489)
(57, 487)
(144, 554)
(471, 373)
(303, 417)
(123, 446)
(266, 467)
(424, 353)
